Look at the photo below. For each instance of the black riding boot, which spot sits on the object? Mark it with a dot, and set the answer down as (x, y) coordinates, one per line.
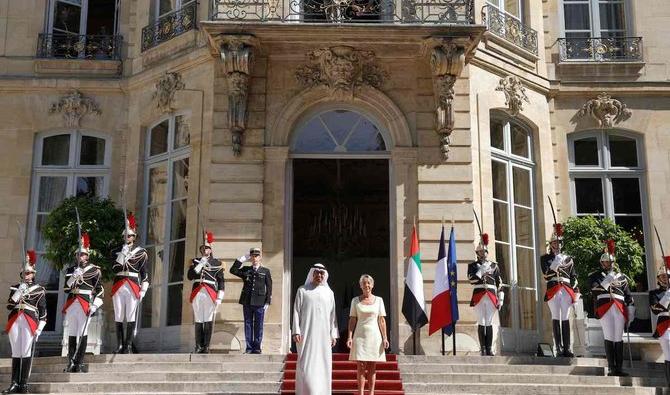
(565, 331)
(71, 349)
(489, 341)
(609, 354)
(14, 386)
(481, 332)
(206, 336)
(198, 337)
(25, 373)
(119, 338)
(130, 336)
(558, 340)
(79, 358)
(618, 352)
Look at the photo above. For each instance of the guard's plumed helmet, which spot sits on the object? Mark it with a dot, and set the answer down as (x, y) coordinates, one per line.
(84, 244)
(663, 269)
(30, 262)
(557, 234)
(131, 226)
(608, 254)
(483, 245)
(207, 240)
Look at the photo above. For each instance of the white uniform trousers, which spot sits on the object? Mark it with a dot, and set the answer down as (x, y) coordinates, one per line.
(560, 305)
(613, 324)
(485, 310)
(75, 319)
(21, 338)
(203, 306)
(665, 344)
(125, 304)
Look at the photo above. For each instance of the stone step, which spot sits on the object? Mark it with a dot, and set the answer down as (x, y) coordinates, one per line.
(527, 378)
(500, 368)
(223, 387)
(202, 376)
(516, 389)
(166, 358)
(520, 360)
(121, 367)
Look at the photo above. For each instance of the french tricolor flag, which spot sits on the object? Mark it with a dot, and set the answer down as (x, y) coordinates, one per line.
(444, 310)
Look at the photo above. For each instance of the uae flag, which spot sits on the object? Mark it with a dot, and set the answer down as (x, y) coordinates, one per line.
(444, 307)
(413, 302)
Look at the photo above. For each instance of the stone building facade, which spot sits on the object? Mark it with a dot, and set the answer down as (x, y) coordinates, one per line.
(325, 130)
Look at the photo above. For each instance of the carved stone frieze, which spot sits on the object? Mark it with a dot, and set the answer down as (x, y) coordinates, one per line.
(606, 111)
(515, 94)
(341, 69)
(447, 60)
(236, 61)
(166, 87)
(73, 107)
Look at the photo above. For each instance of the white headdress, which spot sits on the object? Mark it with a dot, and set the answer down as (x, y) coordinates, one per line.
(310, 275)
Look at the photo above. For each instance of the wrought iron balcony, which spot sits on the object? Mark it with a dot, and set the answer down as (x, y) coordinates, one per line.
(170, 25)
(75, 46)
(510, 28)
(345, 11)
(600, 49)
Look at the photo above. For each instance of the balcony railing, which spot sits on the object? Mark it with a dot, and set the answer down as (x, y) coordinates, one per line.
(510, 28)
(600, 49)
(170, 25)
(345, 11)
(75, 46)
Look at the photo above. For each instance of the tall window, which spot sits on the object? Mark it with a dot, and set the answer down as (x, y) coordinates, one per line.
(65, 164)
(514, 219)
(607, 177)
(163, 7)
(594, 18)
(82, 17)
(166, 186)
(512, 7)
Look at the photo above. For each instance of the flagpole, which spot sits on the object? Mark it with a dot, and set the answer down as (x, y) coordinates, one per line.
(453, 323)
(444, 348)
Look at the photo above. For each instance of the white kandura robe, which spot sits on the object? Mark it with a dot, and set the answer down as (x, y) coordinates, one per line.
(314, 318)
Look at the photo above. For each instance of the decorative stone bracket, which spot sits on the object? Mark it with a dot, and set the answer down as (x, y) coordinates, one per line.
(236, 53)
(606, 111)
(73, 107)
(515, 94)
(166, 87)
(447, 60)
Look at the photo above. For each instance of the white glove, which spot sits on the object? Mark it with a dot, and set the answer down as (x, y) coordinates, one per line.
(501, 300)
(199, 266)
(125, 249)
(219, 296)
(92, 309)
(243, 258)
(607, 281)
(631, 314)
(17, 295)
(665, 300)
(556, 263)
(78, 272)
(483, 269)
(39, 329)
(143, 290)
(218, 301)
(120, 258)
(265, 308)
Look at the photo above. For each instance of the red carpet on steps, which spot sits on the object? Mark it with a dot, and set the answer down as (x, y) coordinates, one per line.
(344, 376)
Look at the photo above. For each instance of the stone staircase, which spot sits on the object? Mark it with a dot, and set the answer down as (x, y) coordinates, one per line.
(525, 375)
(157, 374)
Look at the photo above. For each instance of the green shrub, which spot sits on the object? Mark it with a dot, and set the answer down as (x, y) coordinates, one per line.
(583, 239)
(99, 218)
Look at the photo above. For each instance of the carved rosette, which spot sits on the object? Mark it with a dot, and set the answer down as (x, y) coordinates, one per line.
(446, 62)
(515, 94)
(341, 69)
(73, 107)
(605, 110)
(166, 87)
(236, 62)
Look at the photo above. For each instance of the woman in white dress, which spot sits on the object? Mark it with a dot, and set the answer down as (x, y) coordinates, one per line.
(367, 333)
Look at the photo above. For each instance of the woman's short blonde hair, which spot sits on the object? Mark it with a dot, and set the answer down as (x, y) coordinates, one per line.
(366, 277)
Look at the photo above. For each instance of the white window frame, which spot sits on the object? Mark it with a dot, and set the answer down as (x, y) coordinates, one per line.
(594, 17)
(72, 171)
(500, 4)
(179, 4)
(168, 158)
(605, 171)
(83, 18)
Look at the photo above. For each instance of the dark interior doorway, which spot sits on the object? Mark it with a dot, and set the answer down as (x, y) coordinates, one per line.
(341, 219)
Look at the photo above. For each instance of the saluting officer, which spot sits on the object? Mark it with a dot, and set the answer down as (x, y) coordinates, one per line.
(27, 317)
(562, 291)
(659, 300)
(207, 292)
(83, 287)
(487, 296)
(255, 298)
(131, 282)
(614, 307)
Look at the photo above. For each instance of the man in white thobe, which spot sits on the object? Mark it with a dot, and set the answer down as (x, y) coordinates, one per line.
(315, 333)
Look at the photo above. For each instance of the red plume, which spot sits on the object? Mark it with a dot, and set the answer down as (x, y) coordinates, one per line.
(485, 239)
(558, 228)
(131, 221)
(85, 240)
(32, 257)
(209, 236)
(666, 259)
(610, 246)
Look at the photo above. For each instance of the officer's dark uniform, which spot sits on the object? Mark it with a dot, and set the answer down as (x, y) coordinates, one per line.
(256, 293)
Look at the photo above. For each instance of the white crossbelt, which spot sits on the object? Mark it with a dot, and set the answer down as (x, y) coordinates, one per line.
(610, 296)
(82, 292)
(206, 281)
(487, 286)
(663, 314)
(560, 279)
(128, 274)
(23, 306)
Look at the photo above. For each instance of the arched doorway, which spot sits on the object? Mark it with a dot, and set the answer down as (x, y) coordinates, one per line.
(339, 204)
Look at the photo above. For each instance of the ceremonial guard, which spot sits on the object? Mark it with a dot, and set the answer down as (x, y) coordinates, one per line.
(255, 298)
(206, 294)
(83, 286)
(487, 295)
(131, 282)
(27, 318)
(562, 291)
(659, 300)
(614, 307)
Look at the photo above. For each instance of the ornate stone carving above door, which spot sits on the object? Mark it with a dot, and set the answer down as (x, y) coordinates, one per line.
(166, 87)
(515, 94)
(605, 110)
(73, 107)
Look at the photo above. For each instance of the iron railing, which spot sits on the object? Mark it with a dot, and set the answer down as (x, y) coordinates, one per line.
(75, 46)
(345, 11)
(600, 49)
(510, 28)
(170, 25)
